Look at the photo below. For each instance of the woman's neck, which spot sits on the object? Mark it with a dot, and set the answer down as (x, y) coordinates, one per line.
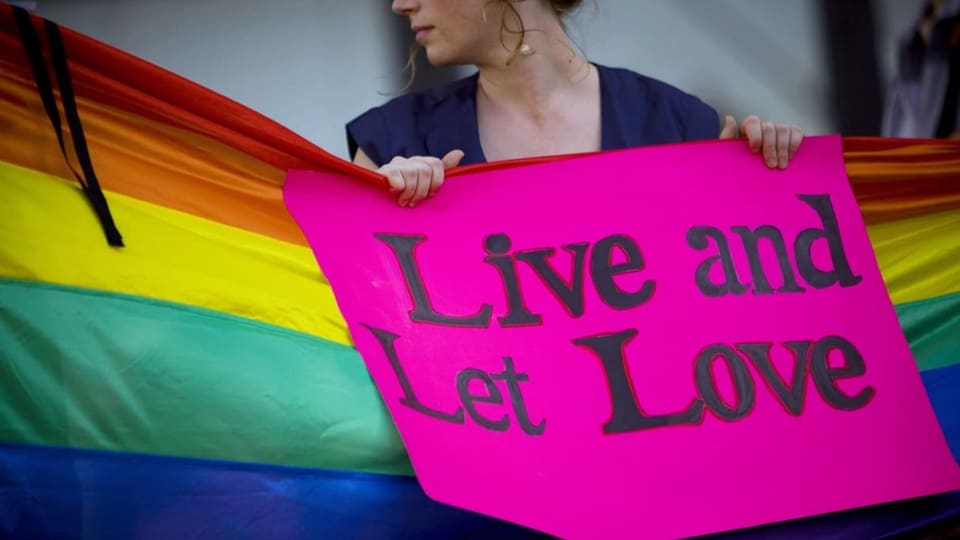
(529, 82)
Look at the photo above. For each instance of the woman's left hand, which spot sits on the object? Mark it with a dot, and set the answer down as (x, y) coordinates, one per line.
(778, 142)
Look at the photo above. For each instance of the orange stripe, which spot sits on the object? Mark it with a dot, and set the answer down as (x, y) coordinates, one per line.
(898, 178)
(154, 162)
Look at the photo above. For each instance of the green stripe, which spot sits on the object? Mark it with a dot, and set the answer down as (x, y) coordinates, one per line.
(932, 327)
(95, 370)
(88, 369)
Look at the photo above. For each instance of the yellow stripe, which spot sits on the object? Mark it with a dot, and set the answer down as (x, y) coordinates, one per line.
(919, 257)
(48, 233)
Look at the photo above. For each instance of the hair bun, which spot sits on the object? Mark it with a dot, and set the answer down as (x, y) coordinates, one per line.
(563, 7)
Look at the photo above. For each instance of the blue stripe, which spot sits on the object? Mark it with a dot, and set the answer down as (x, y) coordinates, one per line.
(48, 492)
(943, 388)
(65, 494)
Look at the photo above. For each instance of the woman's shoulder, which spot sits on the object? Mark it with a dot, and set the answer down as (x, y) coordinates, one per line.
(400, 126)
(667, 113)
(624, 79)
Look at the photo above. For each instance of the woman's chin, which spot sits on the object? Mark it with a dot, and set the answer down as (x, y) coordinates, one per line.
(438, 57)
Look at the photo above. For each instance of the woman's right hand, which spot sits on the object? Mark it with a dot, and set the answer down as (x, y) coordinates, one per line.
(418, 177)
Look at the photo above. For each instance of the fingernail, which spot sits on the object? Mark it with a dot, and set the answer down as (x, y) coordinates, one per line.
(771, 163)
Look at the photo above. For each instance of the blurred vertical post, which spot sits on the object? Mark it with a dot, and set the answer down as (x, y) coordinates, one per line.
(856, 88)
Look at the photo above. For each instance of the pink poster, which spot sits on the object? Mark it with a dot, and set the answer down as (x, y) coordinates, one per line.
(653, 343)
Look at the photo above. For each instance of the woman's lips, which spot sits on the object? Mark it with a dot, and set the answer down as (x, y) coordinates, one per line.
(422, 32)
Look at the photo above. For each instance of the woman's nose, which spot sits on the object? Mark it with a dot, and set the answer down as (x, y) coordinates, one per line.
(405, 7)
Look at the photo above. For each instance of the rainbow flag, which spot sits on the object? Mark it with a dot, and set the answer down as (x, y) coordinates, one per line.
(200, 380)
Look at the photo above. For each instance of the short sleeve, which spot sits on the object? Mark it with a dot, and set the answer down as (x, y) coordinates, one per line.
(369, 133)
(702, 121)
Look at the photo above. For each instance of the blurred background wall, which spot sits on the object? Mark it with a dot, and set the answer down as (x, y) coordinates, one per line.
(312, 65)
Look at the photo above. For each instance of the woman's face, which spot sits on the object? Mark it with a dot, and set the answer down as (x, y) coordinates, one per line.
(452, 31)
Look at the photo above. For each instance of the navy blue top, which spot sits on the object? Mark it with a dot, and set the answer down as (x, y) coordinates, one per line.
(635, 111)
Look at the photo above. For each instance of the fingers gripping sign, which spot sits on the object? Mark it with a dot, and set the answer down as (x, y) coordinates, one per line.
(418, 177)
(776, 142)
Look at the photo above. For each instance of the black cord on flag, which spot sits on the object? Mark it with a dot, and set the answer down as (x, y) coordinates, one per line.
(88, 178)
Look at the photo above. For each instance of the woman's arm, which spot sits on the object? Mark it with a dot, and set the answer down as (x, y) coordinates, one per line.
(362, 160)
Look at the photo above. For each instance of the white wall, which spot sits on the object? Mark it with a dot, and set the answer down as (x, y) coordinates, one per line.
(314, 64)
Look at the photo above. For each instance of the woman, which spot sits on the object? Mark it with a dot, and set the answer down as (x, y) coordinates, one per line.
(533, 95)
